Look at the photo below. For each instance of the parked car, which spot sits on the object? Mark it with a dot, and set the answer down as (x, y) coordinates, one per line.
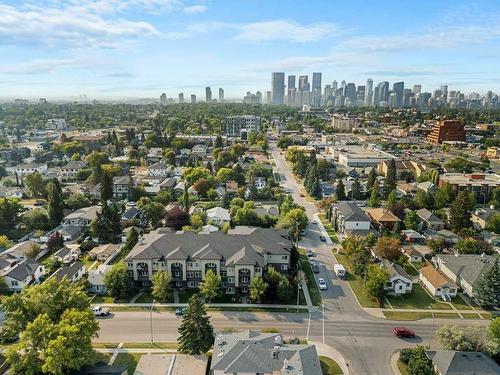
(322, 284)
(100, 311)
(309, 253)
(314, 266)
(314, 222)
(180, 311)
(322, 238)
(403, 332)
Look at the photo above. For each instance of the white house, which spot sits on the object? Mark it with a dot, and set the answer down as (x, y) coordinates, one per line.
(82, 217)
(218, 216)
(348, 217)
(437, 283)
(96, 279)
(28, 168)
(399, 281)
(158, 170)
(72, 168)
(22, 274)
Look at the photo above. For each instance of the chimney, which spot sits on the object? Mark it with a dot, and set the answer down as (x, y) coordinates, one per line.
(141, 240)
(274, 354)
(285, 364)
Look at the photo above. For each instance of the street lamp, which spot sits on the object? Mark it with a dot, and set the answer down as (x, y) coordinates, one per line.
(151, 319)
(432, 330)
(299, 278)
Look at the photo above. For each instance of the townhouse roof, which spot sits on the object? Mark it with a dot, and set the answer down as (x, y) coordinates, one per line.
(248, 248)
(469, 267)
(252, 352)
(352, 212)
(436, 277)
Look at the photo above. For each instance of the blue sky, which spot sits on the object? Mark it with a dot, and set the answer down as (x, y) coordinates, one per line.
(140, 48)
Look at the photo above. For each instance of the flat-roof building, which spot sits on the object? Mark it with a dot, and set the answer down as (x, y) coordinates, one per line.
(447, 131)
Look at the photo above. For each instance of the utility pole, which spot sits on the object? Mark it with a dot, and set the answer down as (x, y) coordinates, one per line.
(151, 319)
(432, 330)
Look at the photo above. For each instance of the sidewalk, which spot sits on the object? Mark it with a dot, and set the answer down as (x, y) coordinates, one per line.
(323, 230)
(214, 305)
(307, 296)
(327, 351)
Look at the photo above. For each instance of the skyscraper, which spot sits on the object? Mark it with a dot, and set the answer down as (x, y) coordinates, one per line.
(369, 93)
(381, 93)
(316, 89)
(181, 97)
(193, 99)
(334, 86)
(350, 92)
(221, 94)
(259, 96)
(269, 97)
(163, 99)
(278, 88)
(302, 82)
(291, 90)
(208, 94)
(398, 89)
(417, 89)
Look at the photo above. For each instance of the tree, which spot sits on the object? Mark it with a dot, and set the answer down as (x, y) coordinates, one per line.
(202, 186)
(391, 200)
(196, 334)
(106, 186)
(492, 339)
(35, 184)
(161, 285)
(372, 179)
(356, 190)
(117, 281)
(258, 288)
(357, 252)
(374, 201)
(211, 285)
(411, 220)
(466, 339)
(461, 211)
(376, 279)
(315, 188)
(153, 211)
(488, 287)
(55, 241)
(76, 201)
(9, 214)
(284, 291)
(176, 218)
(131, 240)
(388, 247)
(56, 203)
(106, 227)
(416, 361)
(493, 223)
(196, 221)
(37, 219)
(340, 192)
(390, 179)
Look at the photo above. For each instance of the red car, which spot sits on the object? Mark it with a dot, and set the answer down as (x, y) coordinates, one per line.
(403, 332)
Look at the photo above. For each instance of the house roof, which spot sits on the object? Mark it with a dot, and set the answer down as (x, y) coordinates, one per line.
(172, 364)
(428, 216)
(426, 185)
(68, 271)
(412, 234)
(159, 165)
(21, 248)
(75, 164)
(252, 352)
(436, 277)
(248, 248)
(352, 212)
(450, 362)
(219, 212)
(395, 269)
(103, 249)
(86, 213)
(23, 270)
(468, 267)
(382, 215)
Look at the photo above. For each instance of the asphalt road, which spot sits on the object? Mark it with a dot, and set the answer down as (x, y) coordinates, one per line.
(365, 342)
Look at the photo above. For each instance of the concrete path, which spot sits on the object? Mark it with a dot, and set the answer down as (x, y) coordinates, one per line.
(136, 297)
(307, 296)
(394, 363)
(132, 350)
(176, 295)
(214, 305)
(115, 353)
(327, 351)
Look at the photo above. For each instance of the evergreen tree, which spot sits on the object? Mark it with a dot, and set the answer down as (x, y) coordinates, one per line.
(372, 178)
(106, 186)
(315, 189)
(390, 179)
(488, 288)
(391, 200)
(56, 203)
(340, 191)
(218, 142)
(374, 200)
(356, 190)
(196, 334)
(461, 211)
(312, 173)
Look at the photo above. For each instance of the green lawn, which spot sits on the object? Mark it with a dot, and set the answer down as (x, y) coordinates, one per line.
(329, 229)
(101, 357)
(460, 304)
(417, 299)
(471, 316)
(104, 345)
(311, 282)
(403, 315)
(185, 295)
(129, 359)
(148, 298)
(148, 345)
(356, 284)
(98, 298)
(329, 366)
(410, 269)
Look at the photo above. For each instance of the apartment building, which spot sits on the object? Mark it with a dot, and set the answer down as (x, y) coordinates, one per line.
(481, 184)
(240, 126)
(447, 131)
(239, 256)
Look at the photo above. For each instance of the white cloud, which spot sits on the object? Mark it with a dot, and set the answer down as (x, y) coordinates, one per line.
(195, 9)
(44, 66)
(284, 30)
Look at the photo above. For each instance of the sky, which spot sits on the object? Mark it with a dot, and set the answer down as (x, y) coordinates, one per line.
(141, 48)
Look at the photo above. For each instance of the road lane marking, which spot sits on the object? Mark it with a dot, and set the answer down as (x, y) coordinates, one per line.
(323, 323)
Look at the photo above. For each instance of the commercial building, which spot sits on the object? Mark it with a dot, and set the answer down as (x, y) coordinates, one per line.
(238, 257)
(343, 122)
(163, 99)
(360, 156)
(316, 89)
(208, 94)
(278, 88)
(181, 97)
(193, 99)
(221, 94)
(240, 126)
(447, 131)
(481, 184)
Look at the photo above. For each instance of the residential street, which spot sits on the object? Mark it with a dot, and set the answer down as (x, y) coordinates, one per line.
(365, 342)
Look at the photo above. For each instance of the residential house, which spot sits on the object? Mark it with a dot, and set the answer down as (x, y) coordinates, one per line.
(382, 218)
(103, 369)
(22, 274)
(437, 283)
(82, 217)
(239, 256)
(21, 250)
(172, 364)
(413, 255)
(481, 216)
(11, 192)
(67, 254)
(327, 189)
(69, 233)
(251, 352)
(28, 168)
(405, 189)
(122, 187)
(159, 169)
(71, 169)
(465, 269)
(429, 220)
(427, 187)
(95, 279)
(218, 216)
(102, 252)
(135, 216)
(450, 362)
(412, 236)
(72, 272)
(347, 217)
(399, 281)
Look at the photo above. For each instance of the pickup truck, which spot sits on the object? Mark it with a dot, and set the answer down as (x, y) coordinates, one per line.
(100, 311)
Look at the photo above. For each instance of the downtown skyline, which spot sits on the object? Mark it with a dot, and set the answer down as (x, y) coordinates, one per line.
(109, 49)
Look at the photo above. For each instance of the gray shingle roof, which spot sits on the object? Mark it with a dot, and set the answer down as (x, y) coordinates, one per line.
(352, 212)
(68, 271)
(428, 216)
(23, 269)
(450, 362)
(248, 248)
(468, 267)
(251, 352)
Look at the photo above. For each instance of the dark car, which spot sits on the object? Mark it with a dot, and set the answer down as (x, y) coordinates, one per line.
(322, 238)
(403, 332)
(310, 253)
(180, 311)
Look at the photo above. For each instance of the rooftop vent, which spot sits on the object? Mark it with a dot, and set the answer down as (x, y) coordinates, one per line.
(278, 340)
(274, 354)
(285, 364)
